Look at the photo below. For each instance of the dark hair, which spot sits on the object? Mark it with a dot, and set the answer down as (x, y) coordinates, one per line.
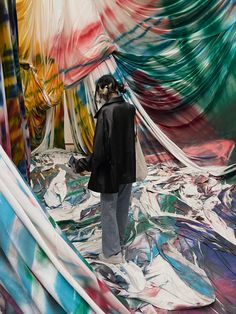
(109, 84)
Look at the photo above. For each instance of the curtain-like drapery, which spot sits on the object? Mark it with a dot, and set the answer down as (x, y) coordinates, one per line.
(14, 135)
(177, 57)
(43, 101)
(183, 71)
(40, 74)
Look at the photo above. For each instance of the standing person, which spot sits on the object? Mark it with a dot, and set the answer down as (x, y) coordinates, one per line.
(112, 164)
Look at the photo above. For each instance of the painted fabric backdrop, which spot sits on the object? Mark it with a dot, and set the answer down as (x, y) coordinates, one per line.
(14, 135)
(40, 74)
(177, 58)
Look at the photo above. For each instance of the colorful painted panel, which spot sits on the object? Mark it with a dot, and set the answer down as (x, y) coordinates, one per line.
(178, 59)
(14, 135)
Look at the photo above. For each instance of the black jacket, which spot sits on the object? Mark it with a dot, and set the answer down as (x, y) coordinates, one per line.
(113, 160)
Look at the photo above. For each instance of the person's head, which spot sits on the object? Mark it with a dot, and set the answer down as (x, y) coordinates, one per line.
(107, 87)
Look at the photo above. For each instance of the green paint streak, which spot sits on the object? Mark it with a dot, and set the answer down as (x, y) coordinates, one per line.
(167, 203)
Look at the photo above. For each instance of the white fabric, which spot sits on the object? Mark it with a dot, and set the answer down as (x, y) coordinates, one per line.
(141, 167)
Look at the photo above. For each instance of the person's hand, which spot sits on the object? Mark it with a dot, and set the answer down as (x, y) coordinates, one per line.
(72, 163)
(76, 164)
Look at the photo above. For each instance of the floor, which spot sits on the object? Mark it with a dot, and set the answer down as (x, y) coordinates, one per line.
(180, 242)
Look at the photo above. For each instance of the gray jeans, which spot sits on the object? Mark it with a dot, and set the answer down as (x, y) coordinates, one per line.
(114, 216)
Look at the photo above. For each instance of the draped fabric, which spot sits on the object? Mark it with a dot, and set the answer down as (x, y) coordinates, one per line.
(32, 245)
(43, 101)
(152, 138)
(177, 58)
(42, 85)
(14, 135)
(183, 71)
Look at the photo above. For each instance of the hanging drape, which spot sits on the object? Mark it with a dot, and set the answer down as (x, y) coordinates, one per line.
(40, 74)
(43, 101)
(177, 58)
(14, 135)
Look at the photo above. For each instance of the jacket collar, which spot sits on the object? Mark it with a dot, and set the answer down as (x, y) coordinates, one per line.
(111, 101)
(115, 99)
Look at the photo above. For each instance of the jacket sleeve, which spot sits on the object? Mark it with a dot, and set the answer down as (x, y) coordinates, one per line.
(100, 142)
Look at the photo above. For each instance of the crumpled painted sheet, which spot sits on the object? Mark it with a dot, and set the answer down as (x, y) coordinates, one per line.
(14, 133)
(177, 58)
(180, 243)
(40, 272)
